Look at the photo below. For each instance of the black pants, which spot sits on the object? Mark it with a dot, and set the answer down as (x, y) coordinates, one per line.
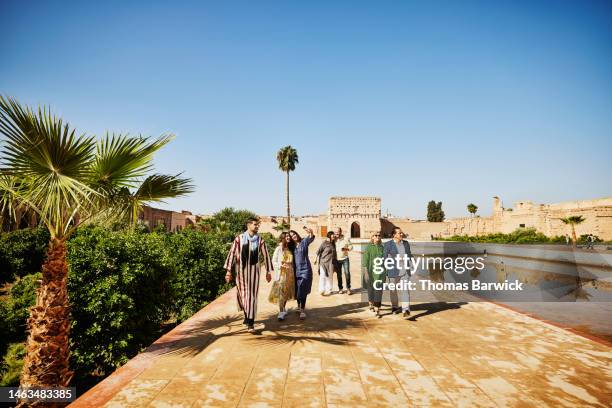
(247, 321)
(302, 303)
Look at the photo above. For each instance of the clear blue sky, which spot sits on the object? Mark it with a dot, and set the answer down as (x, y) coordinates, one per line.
(455, 101)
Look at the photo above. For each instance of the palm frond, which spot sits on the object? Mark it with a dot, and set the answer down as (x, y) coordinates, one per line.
(287, 158)
(121, 160)
(8, 199)
(157, 188)
(68, 179)
(574, 219)
(51, 162)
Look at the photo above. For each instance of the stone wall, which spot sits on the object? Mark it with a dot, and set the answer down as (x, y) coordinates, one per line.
(545, 218)
(364, 212)
(358, 217)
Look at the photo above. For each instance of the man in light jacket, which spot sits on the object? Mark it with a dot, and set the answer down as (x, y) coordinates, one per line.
(327, 260)
(398, 274)
(343, 246)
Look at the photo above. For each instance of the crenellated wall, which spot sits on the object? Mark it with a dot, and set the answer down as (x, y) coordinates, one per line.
(364, 212)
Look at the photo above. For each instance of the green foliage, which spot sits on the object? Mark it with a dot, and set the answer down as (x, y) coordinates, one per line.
(472, 208)
(270, 240)
(583, 239)
(283, 226)
(14, 309)
(518, 236)
(573, 220)
(287, 158)
(227, 223)
(10, 368)
(198, 259)
(434, 211)
(61, 173)
(22, 252)
(124, 286)
(120, 292)
(557, 239)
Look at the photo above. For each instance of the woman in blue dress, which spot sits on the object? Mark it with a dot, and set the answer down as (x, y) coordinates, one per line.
(303, 269)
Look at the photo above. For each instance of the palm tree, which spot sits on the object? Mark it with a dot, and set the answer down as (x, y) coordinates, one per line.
(287, 158)
(573, 221)
(68, 180)
(472, 208)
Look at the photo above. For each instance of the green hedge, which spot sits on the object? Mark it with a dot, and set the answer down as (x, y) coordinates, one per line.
(120, 293)
(14, 310)
(518, 236)
(125, 289)
(11, 365)
(22, 252)
(198, 261)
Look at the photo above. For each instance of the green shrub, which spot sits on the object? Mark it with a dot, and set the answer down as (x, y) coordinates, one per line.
(583, 239)
(270, 239)
(123, 286)
(15, 308)
(518, 236)
(198, 259)
(227, 223)
(10, 368)
(120, 294)
(22, 252)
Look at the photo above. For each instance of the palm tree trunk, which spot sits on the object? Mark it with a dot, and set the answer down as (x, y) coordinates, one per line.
(47, 351)
(288, 210)
(574, 240)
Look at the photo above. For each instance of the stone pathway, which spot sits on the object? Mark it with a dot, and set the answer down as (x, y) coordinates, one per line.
(449, 355)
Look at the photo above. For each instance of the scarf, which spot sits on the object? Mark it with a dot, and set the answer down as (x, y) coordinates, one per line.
(252, 240)
(249, 250)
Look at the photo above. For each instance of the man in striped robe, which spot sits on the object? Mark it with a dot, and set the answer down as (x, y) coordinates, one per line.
(247, 253)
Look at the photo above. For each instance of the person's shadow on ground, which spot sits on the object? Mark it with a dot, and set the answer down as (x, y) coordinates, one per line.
(435, 307)
(323, 324)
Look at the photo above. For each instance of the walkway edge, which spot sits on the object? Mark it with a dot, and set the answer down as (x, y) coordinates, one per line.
(102, 392)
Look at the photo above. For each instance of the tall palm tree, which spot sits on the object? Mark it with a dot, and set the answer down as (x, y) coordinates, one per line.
(573, 221)
(68, 180)
(472, 208)
(287, 158)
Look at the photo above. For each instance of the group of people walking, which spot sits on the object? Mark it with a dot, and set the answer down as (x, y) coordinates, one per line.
(397, 274)
(290, 264)
(293, 272)
(333, 259)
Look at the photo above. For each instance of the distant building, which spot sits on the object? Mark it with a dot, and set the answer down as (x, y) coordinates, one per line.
(172, 220)
(359, 217)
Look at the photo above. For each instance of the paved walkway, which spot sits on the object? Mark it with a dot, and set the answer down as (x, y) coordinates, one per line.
(450, 354)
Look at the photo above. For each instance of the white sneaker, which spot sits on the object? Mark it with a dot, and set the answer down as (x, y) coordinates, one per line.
(302, 315)
(281, 315)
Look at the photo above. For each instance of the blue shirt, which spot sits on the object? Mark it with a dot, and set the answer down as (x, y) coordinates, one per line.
(302, 263)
